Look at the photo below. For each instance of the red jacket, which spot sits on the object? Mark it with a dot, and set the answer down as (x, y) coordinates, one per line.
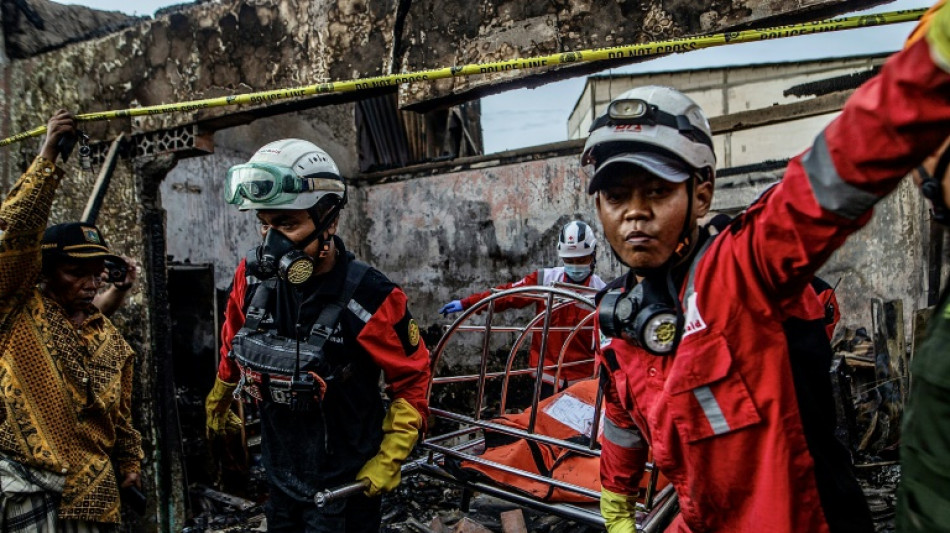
(741, 418)
(581, 347)
(382, 335)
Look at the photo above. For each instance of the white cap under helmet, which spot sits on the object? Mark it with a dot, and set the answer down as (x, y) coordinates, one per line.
(300, 172)
(656, 128)
(576, 239)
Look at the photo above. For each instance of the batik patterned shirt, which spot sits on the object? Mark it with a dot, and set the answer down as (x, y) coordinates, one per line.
(66, 390)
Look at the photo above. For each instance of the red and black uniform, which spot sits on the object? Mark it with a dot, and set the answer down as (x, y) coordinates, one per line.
(304, 452)
(581, 347)
(741, 418)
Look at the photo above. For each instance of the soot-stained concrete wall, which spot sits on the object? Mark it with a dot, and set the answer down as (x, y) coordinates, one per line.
(208, 50)
(446, 236)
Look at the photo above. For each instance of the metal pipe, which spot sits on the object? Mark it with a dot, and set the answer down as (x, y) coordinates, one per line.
(483, 368)
(574, 287)
(567, 343)
(594, 495)
(539, 379)
(515, 432)
(324, 497)
(343, 491)
(568, 511)
(651, 487)
(450, 332)
(452, 434)
(530, 328)
(493, 375)
(660, 516)
(515, 329)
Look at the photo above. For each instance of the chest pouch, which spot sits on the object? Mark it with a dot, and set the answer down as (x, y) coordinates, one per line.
(282, 370)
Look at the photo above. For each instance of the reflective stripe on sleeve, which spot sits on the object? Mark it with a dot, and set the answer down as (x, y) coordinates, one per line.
(358, 310)
(833, 193)
(624, 438)
(711, 409)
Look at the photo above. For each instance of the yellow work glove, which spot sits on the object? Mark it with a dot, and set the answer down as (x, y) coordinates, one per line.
(218, 416)
(939, 35)
(619, 512)
(400, 432)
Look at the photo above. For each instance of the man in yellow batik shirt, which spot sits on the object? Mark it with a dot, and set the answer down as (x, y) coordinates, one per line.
(65, 371)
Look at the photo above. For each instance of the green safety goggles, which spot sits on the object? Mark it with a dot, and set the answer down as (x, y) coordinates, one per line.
(264, 183)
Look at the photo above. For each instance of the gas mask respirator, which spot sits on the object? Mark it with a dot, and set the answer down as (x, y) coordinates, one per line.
(279, 256)
(646, 316)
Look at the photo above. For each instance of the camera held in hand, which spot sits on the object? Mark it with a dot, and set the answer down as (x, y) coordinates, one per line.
(117, 271)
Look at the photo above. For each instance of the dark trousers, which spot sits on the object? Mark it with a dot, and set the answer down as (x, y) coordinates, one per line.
(357, 514)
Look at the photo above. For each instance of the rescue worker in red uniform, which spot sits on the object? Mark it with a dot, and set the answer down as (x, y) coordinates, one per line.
(308, 331)
(577, 247)
(713, 350)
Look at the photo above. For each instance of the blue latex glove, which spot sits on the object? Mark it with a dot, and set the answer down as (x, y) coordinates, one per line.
(454, 306)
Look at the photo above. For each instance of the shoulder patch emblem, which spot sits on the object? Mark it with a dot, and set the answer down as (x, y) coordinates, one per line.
(413, 332)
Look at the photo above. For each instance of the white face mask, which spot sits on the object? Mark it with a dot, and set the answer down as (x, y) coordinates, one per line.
(577, 272)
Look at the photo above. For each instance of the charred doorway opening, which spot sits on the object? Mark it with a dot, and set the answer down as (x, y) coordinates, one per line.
(194, 307)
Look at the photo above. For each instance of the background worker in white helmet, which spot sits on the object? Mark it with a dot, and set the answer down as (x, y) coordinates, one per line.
(577, 247)
(308, 331)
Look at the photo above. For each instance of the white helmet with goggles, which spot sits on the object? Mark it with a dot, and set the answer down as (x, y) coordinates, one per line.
(576, 239)
(656, 128)
(285, 174)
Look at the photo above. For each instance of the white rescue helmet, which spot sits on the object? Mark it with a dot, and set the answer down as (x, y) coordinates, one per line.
(285, 174)
(653, 127)
(576, 239)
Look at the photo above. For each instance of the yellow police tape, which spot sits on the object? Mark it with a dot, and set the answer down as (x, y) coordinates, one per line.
(584, 56)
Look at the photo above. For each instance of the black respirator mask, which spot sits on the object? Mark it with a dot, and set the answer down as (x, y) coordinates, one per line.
(647, 316)
(281, 257)
(932, 188)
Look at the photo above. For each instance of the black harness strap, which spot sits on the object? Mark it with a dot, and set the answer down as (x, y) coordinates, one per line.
(259, 303)
(330, 315)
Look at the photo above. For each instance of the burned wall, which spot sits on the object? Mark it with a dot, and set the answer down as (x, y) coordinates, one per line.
(36, 26)
(235, 46)
(492, 30)
(206, 51)
(464, 232)
(447, 236)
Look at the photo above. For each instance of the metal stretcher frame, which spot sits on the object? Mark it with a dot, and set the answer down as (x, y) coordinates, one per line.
(658, 509)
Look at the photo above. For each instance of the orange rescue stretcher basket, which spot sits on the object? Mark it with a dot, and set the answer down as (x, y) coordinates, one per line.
(541, 456)
(567, 415)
